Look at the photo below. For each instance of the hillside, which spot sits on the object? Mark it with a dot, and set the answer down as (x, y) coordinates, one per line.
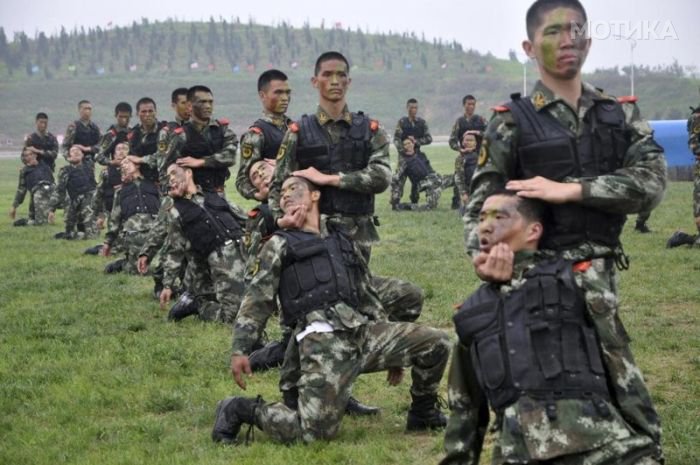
(51, 73)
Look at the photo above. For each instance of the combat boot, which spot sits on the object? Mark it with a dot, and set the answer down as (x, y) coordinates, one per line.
(157, 289)
(641, 227)
(60, 235)
(679, 238)
(94, 250)
(425, 414)
(21, 222)
(455, 203)
(290, 397)
(115, 267)
(184, 307)
(269, 356)
(356, 408)
(231, 414)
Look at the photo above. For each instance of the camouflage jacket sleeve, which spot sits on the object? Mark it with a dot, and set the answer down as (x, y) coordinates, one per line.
(102, 157)
(58, 196)
(175, 251)
(398, 132)
(469, 413)
(68, 140)
(226, 157)
(259, 299)
(21, 189)
(376, 177)
(251, 152)
(115, 219)
(694, 134)
(427, 139)
(286, 163)
(640, 183)
(455, 144)
(159, 231)
(51, 153)
(98, 198)
(460, 182)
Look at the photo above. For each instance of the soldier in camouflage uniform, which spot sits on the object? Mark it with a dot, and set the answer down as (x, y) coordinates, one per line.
(83, 133)
(415, 129)
(465, 164)
(75, 188)
(136, 205)
(469, 122)
(694, 144)
(36, 178)
(42, 142)
(341, 329)
(542, 372)
(204, 224)
(144, 138)
(416, 167)
(357, 169)
(527, 148)
(263, 139)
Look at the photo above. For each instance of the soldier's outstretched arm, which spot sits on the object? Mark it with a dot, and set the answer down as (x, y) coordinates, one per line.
(226, 157)
(286, 163)
(427, 138)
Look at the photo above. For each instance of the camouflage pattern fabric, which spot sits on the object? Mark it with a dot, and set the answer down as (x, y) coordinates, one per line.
(637, 186)
(465, 165)
(374, 179)
(427, 139)
(579, 435)
(78, 210)
(69, 137)
(362, 341)
(48, 143)
(105, 148)
(463, 124)
(694, 145)
(40, 198)
(252, 143)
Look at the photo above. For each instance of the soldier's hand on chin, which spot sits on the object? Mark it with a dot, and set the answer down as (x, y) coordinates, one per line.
(495, 266)
(293, 218)
(240, 365)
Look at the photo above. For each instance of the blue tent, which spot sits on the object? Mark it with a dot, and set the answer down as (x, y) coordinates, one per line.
(673, 137)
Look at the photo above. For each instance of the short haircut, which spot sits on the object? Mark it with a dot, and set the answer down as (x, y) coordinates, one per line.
(82, 102)
(41, 115)
(410, 101)
(312, 187)
(468, 97)
(122, 107)
(533, 210)
(178, 92)
(145, 101)
(26, 155)
(269, 76)
(198, 88)
(328, 56)
(537, 10)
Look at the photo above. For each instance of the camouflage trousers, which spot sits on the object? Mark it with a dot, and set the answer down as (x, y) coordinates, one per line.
(627, 384)
(402, 300)
(696, 193)
(130, 243)
(226, 270)
(40, 204)
(330, 363)
(433, 185)
(78, 213)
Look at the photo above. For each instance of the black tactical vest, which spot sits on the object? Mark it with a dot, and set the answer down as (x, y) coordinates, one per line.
(537, 341)
(86, 135)
(317, 273)
(352, 153)
(81, 180)
(47, 143)
(416, 168)
(546, 148)
(139, 198)
(208, 227)
(473, 124)
(36, 175)
(142, 146)
(199, 146)
(272, 138)
(120, 135)
(417, 129)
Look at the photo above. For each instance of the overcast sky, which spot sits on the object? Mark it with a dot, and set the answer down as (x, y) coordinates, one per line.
(664, 31)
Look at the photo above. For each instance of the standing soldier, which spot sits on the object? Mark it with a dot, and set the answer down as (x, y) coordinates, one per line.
(42, 142)
(416, 129)
(263, 139)
(36, 178)
(83, 133)
(546, 146)
(143, 138)
(694, 144)
(469, 122)
(465, 164)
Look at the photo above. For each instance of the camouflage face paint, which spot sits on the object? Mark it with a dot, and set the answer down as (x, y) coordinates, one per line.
(500, 222)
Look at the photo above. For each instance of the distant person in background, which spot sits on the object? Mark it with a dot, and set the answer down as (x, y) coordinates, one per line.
(144, 138)
(42, 143)
(417, 169)
(82, 133)
(415, 129)
(469, 122)
(36, 178)
(465, 164)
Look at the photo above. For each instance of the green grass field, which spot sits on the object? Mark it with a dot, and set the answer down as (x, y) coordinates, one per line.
(90, 371)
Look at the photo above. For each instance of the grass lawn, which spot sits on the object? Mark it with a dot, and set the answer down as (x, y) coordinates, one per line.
(90, 371)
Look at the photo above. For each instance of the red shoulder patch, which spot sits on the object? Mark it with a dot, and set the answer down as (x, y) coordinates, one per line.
(500, 108)
(582, 267)
(179, 130)
(223, 121)
(253, 213)
(130, 135)
(628, 99)
(294, 127)
(255, 129)
(113, 132)
(373, 125)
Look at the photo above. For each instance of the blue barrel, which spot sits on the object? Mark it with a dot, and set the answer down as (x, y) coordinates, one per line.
(672, 135)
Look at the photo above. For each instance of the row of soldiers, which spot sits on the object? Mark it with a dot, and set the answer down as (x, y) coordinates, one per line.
(541, 342)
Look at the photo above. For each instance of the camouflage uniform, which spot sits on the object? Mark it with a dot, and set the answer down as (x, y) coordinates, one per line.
(253, 148)
(404, 128)
(46, 142)
(463, 124)
(359, 341)
(225, 264)
(132, 230)
(637, 186)
(38, 181)
(694, 145)
(465, 164)
(428, 181)
(81, 133)
(572, 430)
(78, 207)
(110, 176)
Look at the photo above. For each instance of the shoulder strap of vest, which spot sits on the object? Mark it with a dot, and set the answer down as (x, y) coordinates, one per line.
(524, 111)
